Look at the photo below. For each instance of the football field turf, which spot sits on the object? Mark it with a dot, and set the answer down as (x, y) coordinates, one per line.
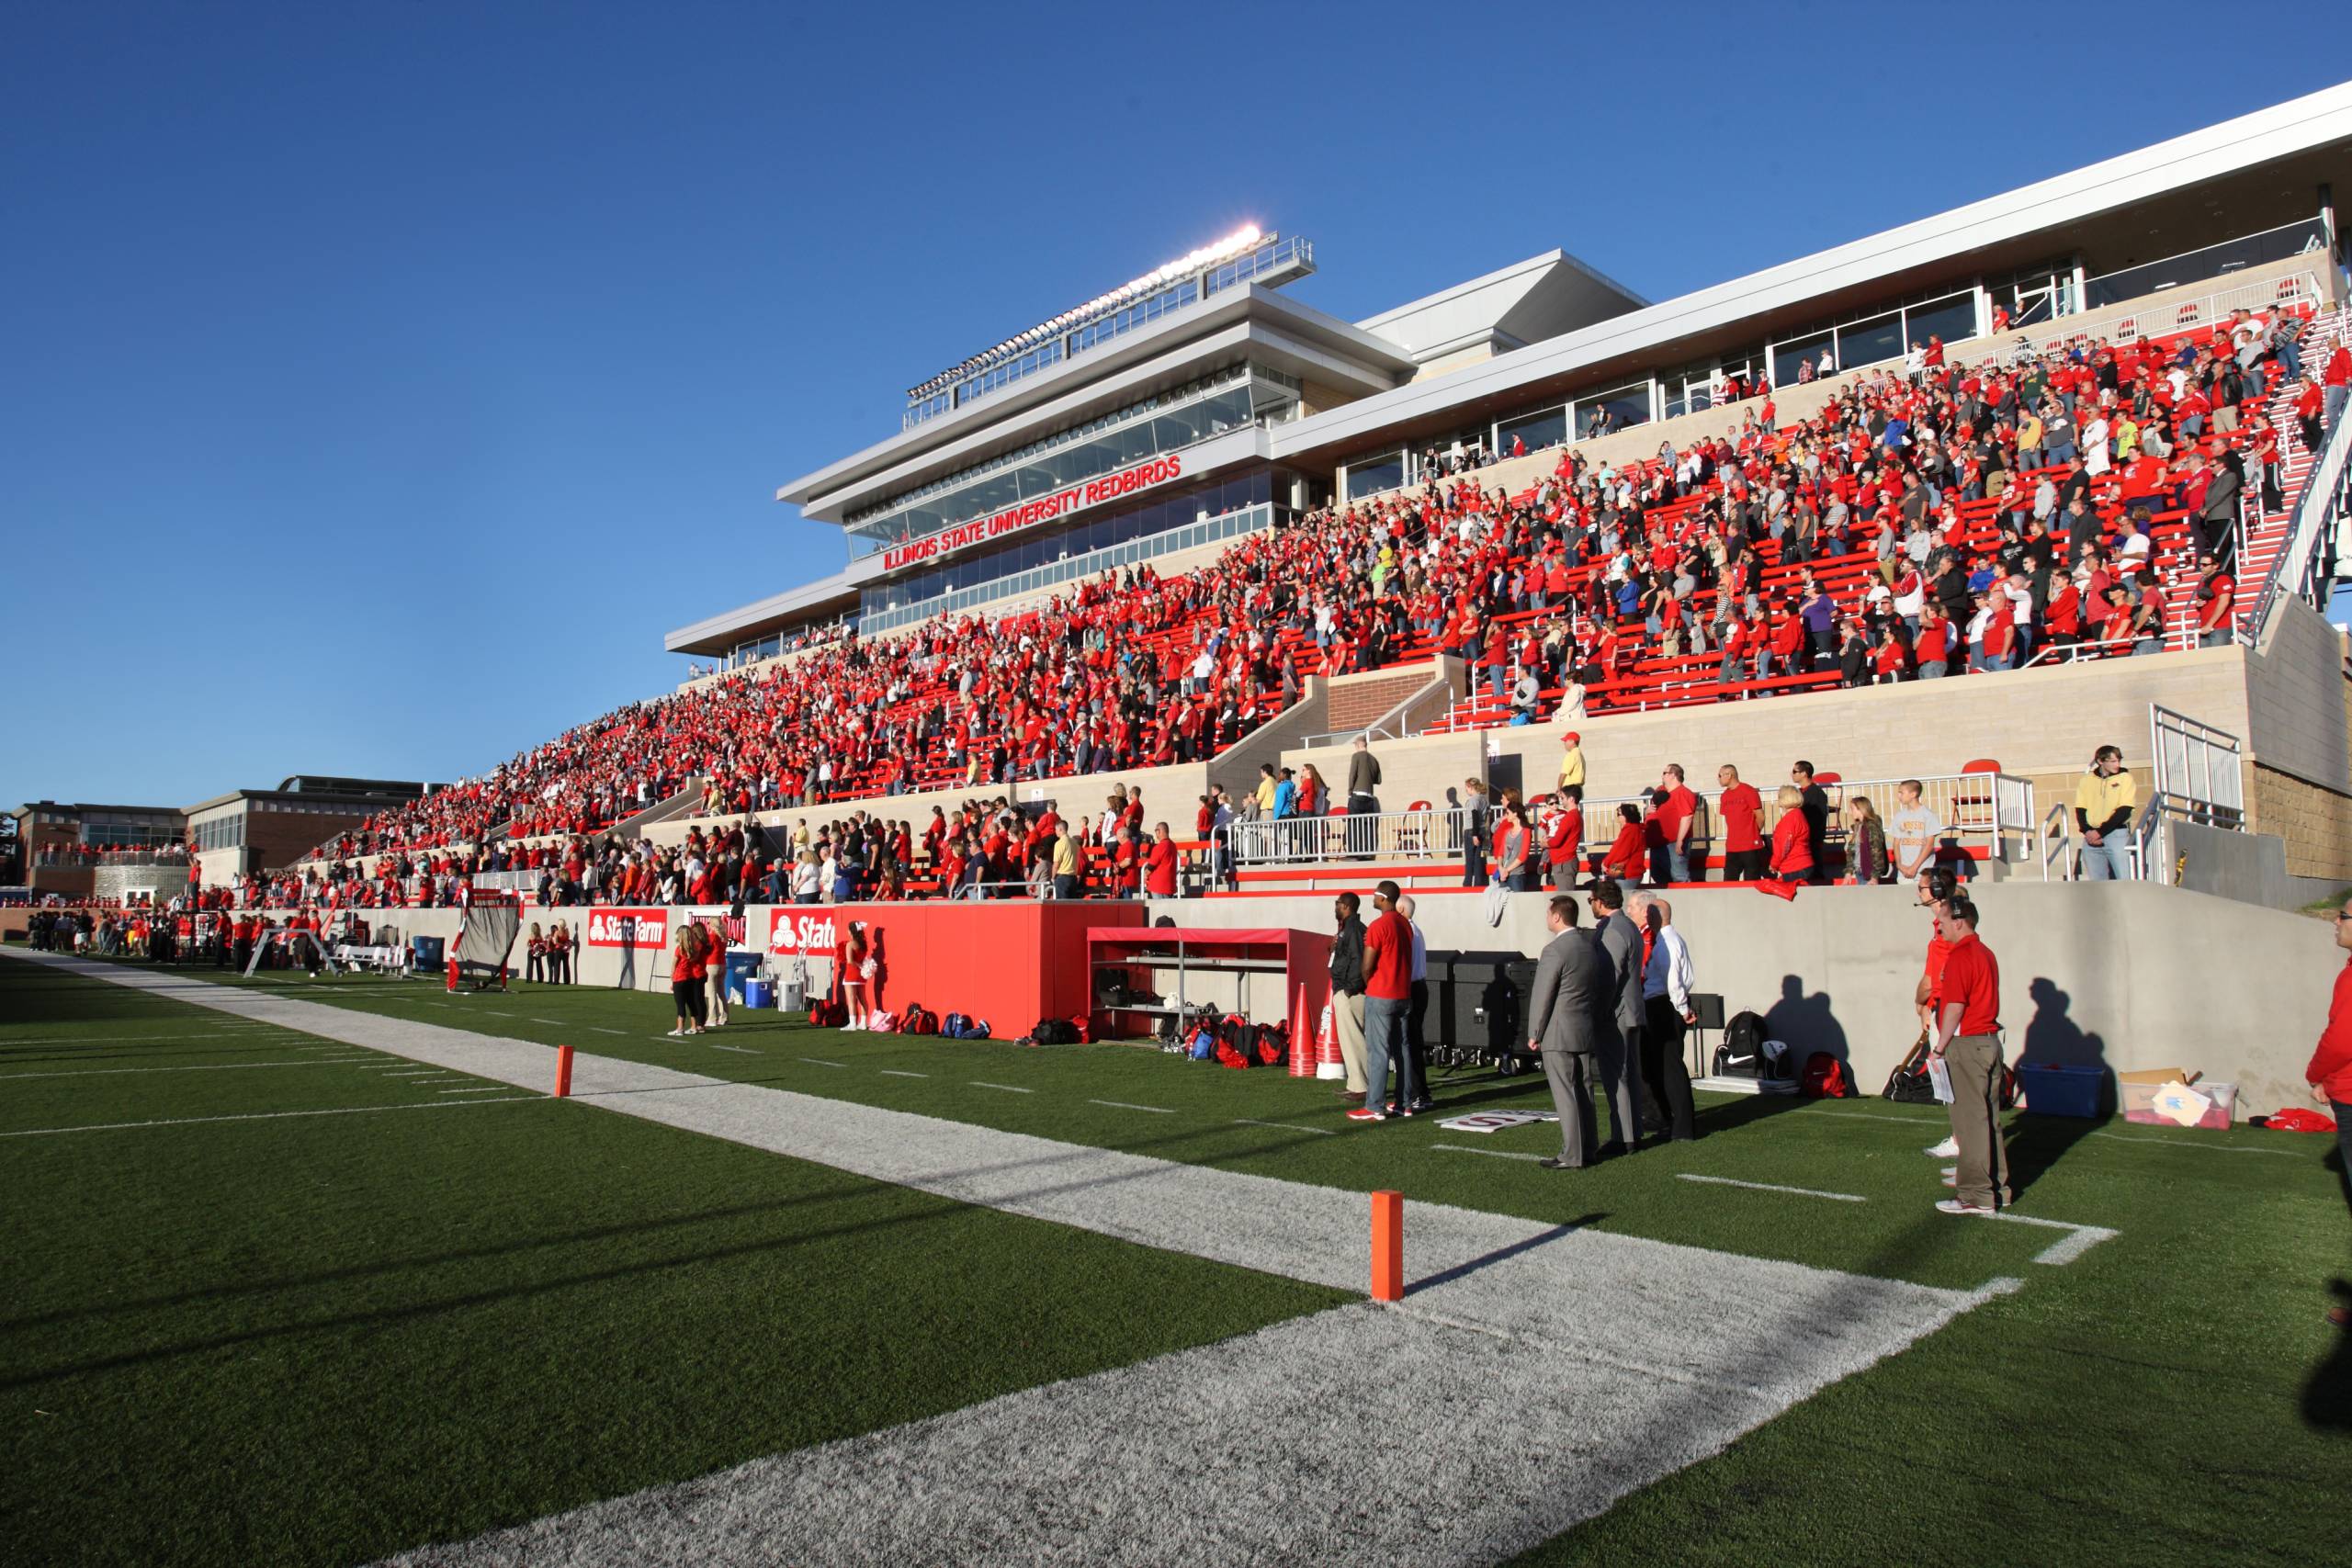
(449, 1304)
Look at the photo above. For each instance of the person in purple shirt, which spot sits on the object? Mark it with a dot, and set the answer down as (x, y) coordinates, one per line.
(1820, 615)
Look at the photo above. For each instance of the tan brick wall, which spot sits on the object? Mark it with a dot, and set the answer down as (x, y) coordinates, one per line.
(2316, 823)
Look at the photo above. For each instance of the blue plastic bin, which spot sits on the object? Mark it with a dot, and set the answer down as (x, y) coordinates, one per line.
(755, 993)
(2062, 1091)
(429, 951)
(741, 967)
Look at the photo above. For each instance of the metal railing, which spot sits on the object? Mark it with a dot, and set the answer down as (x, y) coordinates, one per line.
(1431, 832)
(2305, 563)
(2197, 766)
(2165, 314)
(1994, 810)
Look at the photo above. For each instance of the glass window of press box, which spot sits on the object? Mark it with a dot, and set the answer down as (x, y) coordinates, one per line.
(1201, 516)
(1169, 422)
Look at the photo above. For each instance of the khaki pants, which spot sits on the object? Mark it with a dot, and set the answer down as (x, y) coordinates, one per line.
(1974, 1062)
(1347, 1016)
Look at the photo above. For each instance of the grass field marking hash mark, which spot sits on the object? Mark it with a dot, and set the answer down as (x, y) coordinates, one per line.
(602, 1030)
(897, 1073)
(1125, 1105)
(264, 1116)
(1772, 1187)
(1009, 1089)
(1284, 1126)
(821, 1062)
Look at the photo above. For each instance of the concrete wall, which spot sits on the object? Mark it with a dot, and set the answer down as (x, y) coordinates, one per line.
(2120, 973)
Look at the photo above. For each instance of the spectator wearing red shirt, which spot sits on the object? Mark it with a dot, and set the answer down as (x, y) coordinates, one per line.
(1792, 843)
(1742, 810)
(1678, 825)
(1387, 991)
(1159, 864)
(1628, 859)
(1562, 838)
(1968, 1038)
(2217, 593)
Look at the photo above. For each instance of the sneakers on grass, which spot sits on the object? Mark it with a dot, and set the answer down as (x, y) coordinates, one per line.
(1948, 1149)
(1954, 1206)
(1365, 1113)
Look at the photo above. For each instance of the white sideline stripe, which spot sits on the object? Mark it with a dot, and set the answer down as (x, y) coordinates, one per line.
(895, 1073)
(1770, 1186)
(1490, 1154)
(821, 1062)
(1123, 1105)
(2065, 1250)
(1279, 1126)
(1009, 1089)
(2193, 1144)
(265, 1116)
(1495, 1301)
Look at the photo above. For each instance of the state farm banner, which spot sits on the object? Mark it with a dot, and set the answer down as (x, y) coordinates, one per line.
(1044, 509)
(646, 928)
(796, 933)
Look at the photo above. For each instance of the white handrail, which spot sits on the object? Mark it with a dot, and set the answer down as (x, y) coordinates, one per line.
(1431, 833)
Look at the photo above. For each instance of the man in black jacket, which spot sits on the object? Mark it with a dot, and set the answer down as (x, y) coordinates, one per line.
(1347, 991)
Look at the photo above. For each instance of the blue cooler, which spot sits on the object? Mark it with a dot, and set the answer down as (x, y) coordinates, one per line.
(429, 951)
(741, 967)
(755, 993)
(2062, 1091)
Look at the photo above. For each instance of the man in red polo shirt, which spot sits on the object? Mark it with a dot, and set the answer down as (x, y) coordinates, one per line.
(1743, 813)
(1675, 824)
(1160, 864)
(1968, 1038)
(1387, 991)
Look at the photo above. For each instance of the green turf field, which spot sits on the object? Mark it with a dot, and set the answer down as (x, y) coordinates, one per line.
(381, 1328)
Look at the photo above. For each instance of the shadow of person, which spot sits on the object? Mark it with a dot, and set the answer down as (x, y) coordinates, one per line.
(2052, 1038)
(1807, 1023)
(2327, 1394)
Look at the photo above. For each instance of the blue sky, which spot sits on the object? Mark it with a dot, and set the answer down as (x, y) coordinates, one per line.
(382, 382)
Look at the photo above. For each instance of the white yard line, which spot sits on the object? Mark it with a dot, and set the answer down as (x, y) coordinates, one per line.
(821, 1062)
(1770, 1186)
(1123, 1105)
(602, 1030)
(1926, 1122)
(263, 1116)
(897, 1073)
(1281, 1126)
(213, 1067)
(739, 1050)
(2208, 1149)
(486, 1089)
(1009, 1089)
(551, 1022)
(1490, 1154)
(2064, 1251)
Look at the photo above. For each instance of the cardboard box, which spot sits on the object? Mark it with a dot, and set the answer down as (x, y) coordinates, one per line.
(2159, 1075)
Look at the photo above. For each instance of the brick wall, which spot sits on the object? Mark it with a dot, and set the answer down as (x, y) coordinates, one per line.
(2316, 823)
(1357, 700)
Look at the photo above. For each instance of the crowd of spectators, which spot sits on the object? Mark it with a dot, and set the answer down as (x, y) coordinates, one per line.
(2080, 448)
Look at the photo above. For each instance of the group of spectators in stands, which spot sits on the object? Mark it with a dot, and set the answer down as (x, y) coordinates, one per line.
(2083, 449)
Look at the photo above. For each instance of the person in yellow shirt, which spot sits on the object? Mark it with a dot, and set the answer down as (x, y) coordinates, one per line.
(2105, 803)
(1572, 765)
(1064, 864)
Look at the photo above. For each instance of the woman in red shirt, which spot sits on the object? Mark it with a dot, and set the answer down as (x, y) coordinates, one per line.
(1628, 859)
(687, 959)
(1791, 848)
(1159, 864)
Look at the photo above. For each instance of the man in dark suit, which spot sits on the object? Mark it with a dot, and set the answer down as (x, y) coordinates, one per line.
(1564, 1012)
(1620, 1058)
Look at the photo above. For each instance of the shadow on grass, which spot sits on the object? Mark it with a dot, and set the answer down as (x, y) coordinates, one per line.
(2327, 1396)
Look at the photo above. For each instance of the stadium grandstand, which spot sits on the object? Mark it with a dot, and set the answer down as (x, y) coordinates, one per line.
(1194, 530)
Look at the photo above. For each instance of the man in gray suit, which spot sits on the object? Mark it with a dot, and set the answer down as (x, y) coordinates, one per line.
(1564, 1012)
(1620, 1058)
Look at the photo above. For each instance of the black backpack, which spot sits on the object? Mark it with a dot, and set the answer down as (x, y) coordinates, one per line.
(1909, 1083)
(1742, 1053)
(1053, 1032)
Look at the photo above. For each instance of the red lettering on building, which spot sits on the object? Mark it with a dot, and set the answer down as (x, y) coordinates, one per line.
(1029, 513)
